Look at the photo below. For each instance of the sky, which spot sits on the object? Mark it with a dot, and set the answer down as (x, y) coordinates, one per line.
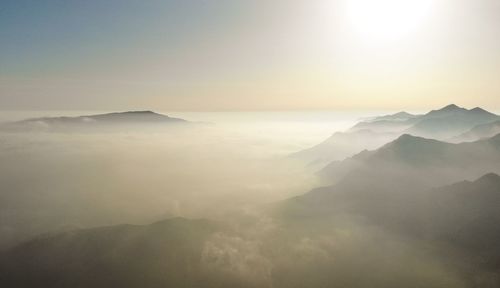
(226, 55)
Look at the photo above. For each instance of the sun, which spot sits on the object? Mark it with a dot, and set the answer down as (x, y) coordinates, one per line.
(387, 20)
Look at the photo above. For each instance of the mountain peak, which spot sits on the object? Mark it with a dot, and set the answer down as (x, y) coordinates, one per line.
(451, 107)
(446, 111)
(489, 178)
(454, 108)
(405, 138)
(478, 109)
(403, 113)
(410, 143)
(414, 145)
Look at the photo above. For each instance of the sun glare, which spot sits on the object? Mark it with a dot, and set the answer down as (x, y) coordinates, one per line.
(387, 20)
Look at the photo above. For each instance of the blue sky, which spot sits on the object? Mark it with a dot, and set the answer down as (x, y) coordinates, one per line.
(48, 36)
(192, 55)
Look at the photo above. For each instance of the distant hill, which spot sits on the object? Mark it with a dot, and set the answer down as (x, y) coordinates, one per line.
(163, 254)
(108, 120)
(448, 110)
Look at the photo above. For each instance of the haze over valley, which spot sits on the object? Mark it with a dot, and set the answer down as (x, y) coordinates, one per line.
(240, 208)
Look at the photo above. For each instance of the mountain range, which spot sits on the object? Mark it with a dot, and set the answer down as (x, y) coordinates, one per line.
(447, 124)
(405, 166)
(450, 121)
(424, 160)
(415, 187)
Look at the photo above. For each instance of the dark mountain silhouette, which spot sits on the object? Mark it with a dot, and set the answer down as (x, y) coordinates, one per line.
(464, 215)
(461, 220)
(467, 214)
(173, 253)
(163, 254)
(108, 120)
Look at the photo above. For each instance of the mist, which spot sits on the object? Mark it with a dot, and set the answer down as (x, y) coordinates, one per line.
(52, 181)
(226, 202)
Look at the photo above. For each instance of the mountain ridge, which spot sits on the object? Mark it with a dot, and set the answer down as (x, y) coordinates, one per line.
(138, 115)
(441, 124)
(414, 152)
(106, 120)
